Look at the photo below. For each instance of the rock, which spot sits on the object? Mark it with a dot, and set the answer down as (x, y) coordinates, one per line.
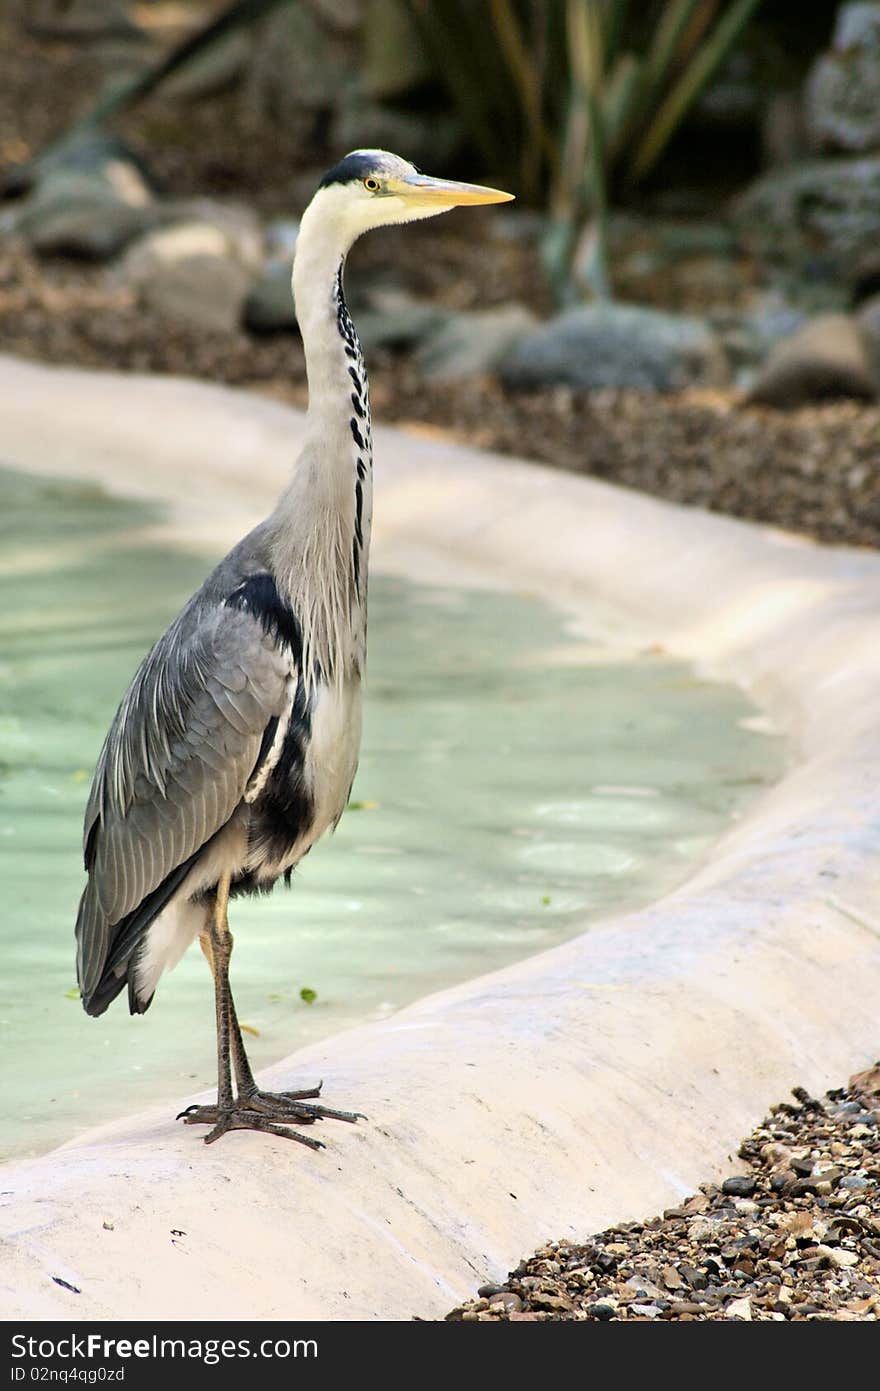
(239, 224)
(550, 1303)
(190, 274)
(815, 220)
(202, 292)
(393, 319)
(671, 1278)
(169, 245)
(854, 1183)
(746, 1208)
(467, 345)
(92, 162)
(646, 1311)
(615, 345)
(748, 336)
(739, 1309)
(842, 92)
(281, 236)
(268, 307)
(505, 1300)
(602, 1311)
(89, 231)
(828, 357)
(87, 197)
(840, 1259)
(866, 1086)
(739, 1186)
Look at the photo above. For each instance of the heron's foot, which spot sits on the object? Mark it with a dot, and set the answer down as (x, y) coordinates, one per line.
(270, 1112)
(240, 1116)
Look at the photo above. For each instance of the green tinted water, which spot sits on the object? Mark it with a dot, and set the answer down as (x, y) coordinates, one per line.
(507, 790)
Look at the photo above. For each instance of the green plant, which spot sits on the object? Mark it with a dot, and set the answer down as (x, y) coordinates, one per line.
(564, 96)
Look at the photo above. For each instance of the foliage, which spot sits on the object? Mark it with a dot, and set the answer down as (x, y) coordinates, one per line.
(563, 97)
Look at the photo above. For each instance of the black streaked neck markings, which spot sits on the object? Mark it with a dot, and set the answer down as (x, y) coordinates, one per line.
(360, 422)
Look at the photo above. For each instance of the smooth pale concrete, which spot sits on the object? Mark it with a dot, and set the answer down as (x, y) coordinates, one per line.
(595, 1082)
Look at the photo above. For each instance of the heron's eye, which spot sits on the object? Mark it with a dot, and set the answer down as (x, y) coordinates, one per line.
(372, 184)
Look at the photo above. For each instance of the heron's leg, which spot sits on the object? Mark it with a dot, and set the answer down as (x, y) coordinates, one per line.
(251, 1109)
(221, 950)
(248, 1091)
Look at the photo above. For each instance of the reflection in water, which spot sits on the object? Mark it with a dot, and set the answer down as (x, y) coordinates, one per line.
(501, 800)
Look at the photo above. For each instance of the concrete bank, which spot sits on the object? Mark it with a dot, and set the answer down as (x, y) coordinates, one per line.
(596, 1081)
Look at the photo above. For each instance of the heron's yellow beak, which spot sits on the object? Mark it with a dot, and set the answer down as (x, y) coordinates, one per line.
(444, 193)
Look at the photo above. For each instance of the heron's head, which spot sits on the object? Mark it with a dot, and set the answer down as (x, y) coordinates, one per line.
(372, 188)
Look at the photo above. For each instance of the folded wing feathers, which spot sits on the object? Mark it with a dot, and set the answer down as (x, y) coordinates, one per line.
(175, 764)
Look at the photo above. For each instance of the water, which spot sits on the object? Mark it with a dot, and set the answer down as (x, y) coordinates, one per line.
(512, 784)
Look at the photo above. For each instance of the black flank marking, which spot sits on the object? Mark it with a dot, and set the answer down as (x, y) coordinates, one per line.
(362, 472)
(356, 379)
(285, 808)
(266, 743)
(358, 437)
(258, 595)
(359, 507)
(358, 408)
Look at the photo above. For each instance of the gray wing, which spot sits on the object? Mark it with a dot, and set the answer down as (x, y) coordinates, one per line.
(173, 769)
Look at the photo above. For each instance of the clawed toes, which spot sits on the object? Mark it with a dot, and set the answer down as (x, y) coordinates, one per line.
(270, 1112)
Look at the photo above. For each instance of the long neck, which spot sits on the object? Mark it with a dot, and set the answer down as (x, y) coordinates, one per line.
(322, 548)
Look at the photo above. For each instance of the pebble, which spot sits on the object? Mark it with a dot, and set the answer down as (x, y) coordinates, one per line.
(740, 1185)
(739, 1309)
(602, 1311)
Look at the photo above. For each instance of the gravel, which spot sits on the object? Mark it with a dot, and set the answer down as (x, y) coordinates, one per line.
(795, 1238)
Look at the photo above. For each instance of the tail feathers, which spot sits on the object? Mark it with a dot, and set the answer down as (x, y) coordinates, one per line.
(107, 953)
(102, 970)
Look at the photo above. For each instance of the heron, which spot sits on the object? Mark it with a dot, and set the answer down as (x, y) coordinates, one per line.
(235, 747)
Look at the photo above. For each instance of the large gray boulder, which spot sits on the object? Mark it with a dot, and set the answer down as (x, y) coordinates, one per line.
(90, 229)
(842, 93)
(269, 305)
(391, 318)
(190, 274)
(827, 357)
(616, 345)
(821, 217)
(869, 322)
(86, 197)
(469, 345)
